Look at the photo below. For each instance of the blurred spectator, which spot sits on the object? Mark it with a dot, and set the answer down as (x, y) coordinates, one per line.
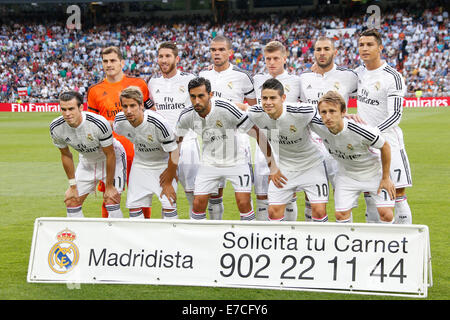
(51, 58)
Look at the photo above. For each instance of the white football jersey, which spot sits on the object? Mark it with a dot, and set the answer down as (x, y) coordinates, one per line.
(290, 82)
(314, 85)
(289, 136)
(171, 95)
(233, 83)
(93, 134)
(153, 139)
(354, 148)
(218, 131)
(380, 99)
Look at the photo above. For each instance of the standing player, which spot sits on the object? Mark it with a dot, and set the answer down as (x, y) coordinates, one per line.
(299, 158)
(153, 141)
(275, 57)
(381, 89)
(101, 158)
(103, 99)
(236, 85)
(171, 96)
(325, 77)
(217, 121)
(354, 147)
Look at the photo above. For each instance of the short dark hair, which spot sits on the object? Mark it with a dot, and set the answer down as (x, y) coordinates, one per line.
(273, 84)
(323, 38)
(71, 94)
(372, 33)
(169, 45)
(198, 82)
(221, 38)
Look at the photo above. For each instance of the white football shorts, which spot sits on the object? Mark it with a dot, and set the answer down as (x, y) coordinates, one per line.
(209, 178)
(313, 182)
(88, 174)
(348, 190)
(143, 184)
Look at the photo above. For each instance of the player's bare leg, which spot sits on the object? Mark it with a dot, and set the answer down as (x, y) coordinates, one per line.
(74, 207)
(344, 216)
(244, 204)
(276, 212)
(199, 207)
(319, 212)
(386, 214)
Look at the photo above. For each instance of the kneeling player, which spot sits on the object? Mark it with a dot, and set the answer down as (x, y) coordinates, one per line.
(101, 157)
(152, 171)
(354, 147)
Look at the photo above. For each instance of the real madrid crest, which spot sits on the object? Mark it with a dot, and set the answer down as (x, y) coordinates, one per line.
(349, 147)
(230, 85)
(377, 85)
(64, 254)
(219, 124)
(89, 137)
(292, 128)
(337, 86)
(150, 138)
(182, 89)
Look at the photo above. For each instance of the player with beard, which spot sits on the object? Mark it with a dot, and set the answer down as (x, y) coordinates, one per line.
(217, 122)
(326, 76)
(171, 97)
(154, 142)
(236, 85)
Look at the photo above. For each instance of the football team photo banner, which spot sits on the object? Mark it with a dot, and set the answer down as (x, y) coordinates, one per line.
(329, 257)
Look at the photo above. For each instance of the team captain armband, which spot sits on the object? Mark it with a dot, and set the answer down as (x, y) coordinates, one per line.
(148, 104)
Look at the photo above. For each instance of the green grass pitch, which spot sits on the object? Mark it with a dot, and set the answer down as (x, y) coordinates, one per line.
(32, 185)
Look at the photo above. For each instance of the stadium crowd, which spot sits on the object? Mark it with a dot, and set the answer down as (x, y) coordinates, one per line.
(47, 59)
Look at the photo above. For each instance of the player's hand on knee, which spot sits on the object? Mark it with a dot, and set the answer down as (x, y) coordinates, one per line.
(71, 197)
(111, 195)
(170, 193)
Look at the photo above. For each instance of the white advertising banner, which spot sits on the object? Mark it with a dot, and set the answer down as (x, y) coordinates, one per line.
(345, 258)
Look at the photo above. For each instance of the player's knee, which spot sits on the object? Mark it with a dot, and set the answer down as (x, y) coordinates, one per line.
(276, 212)
(199, 204)
(342, 215)
(386, 214)
(318, 210)
(73, 203)
(243, 203)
